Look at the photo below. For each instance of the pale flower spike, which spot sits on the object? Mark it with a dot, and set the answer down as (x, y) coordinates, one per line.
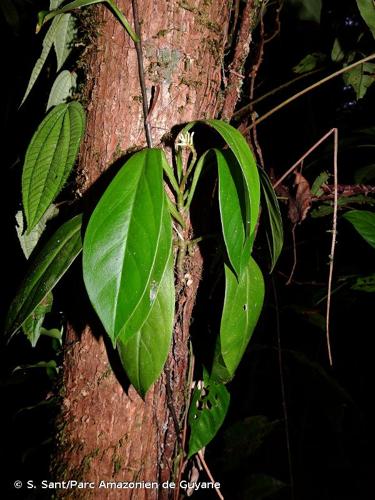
(185, 140)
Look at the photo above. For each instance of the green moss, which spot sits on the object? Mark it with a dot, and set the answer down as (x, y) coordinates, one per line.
(117, 464)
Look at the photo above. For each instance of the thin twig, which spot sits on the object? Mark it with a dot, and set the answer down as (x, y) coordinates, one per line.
(283, 391)
(308, 89)
(305, 155)
(333, 131)
(237, 114)
(141, 73)
(333, 244)
(294, 255)
(208, 472)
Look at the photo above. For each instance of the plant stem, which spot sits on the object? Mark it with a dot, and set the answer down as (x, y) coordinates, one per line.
(141, 73)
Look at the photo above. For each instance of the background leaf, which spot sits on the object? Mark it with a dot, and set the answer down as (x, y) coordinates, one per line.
(309, 63)
(50, 158)
(367, 10)
(46, 269)
(145, 353)
(126, 246)
(62, 88)
(245, 158)
(276, 238)
(365, 284)
(242, 306)
(308, 10)
(364, 222)
(64, 37)
(232, 206)
(243, 438)
(360, 78)
(28, 241)
(46, 47)
(208, 408)
(261, 486)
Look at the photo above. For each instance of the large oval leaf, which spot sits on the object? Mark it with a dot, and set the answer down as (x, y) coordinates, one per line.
(50, 158)
(245, 158)
(364, 222)
(46, 269)
(144, 354)
(232, 206)
(208, 408)
(126, 246)
(242, 306)
(275, 235)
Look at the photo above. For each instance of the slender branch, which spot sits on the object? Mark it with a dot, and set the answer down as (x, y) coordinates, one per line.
(141, 73)
(333, 244)
(294, 255)
(333, 131)
(237, 114)
(208, 472)
(308, 89)
(305, 155)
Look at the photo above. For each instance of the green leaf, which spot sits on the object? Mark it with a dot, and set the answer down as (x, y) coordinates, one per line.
(208, 408)
(337, 53)
(309, 63)
(326, 208)
(126, 246)
(308, 10)
(45, 16)
(62, 88)
(51, 368)
(365, 174)
(245, 158)
(260, 486)
(28, 241)
(55, 3)
(365, 284)
(32, 327)
(46, 269)
(53, 333)
(242, 306)
(364, 222)
(50, 158)
(232, 206)
(63, 40)
(367, 11)
(143, 355)
(316, 188)
(46, 47)
(276, 238)
(219, 372)
(360, 78)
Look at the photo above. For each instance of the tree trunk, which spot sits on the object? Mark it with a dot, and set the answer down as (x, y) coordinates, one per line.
(107, 432)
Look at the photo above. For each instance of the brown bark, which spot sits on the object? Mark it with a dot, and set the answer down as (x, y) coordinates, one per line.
(109, 433)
